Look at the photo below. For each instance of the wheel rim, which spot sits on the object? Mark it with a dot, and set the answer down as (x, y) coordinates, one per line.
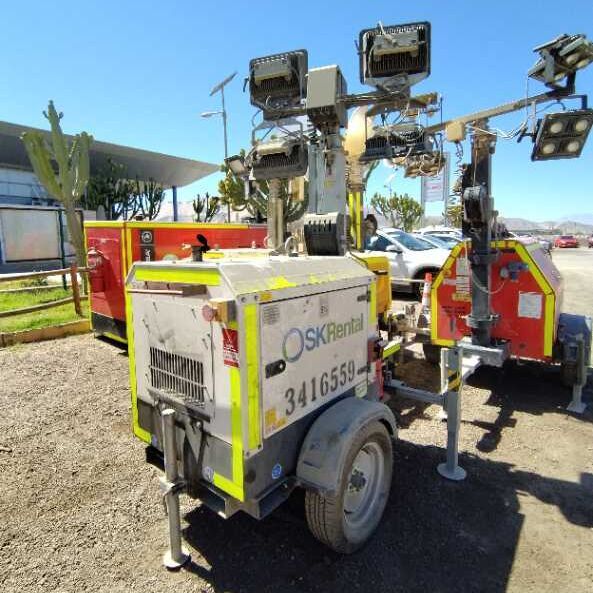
(363, 489)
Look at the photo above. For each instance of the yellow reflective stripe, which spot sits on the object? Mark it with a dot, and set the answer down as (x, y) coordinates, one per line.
(203, 276)
(433, 314)
(433, 294)
(137, 430)
(546, 288)
(184, 225)
(236, 432)
(279, 282)
(359, 220)
(351, 215)
(390, 350)
(443, 342)
(252, 356)
(113, 337)
(453, 380)
(549, 325)
(355, 213)
(90, 292)
(234, 487)
(373, 304)
(103, 223)
(128, 254)
(229, 487)
(454, 384)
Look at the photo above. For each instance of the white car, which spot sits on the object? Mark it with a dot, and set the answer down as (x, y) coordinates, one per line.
(441, 231)
(444, 241)
(410, 257)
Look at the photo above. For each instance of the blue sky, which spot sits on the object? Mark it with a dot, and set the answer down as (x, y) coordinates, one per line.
(139, 73)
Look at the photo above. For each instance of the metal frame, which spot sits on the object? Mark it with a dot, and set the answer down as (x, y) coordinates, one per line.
(456, 367)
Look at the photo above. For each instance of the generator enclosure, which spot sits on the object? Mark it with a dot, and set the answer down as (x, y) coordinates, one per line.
(525, 292)
(248, 353)
(112, 247)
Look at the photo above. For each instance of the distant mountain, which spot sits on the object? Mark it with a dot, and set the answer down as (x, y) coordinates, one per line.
(584, 218)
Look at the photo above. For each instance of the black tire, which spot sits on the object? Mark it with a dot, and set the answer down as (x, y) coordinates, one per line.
(568, 373)
(432, 353)
(328, 519)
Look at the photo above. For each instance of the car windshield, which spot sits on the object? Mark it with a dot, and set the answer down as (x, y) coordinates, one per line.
(436, 241)
(410, 241)
(446, 241)
(567, 237)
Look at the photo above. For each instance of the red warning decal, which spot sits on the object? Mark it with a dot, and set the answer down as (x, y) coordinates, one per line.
(230, 347)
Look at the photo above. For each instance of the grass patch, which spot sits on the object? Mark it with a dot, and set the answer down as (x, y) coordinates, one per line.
(45, 318)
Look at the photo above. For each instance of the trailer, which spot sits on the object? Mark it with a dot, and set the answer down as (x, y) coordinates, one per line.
(112, 247)
(270, 375)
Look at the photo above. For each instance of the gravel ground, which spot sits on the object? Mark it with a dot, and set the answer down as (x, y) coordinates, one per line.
(80, 510)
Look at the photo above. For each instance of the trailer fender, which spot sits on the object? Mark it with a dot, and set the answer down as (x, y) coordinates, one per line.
(323, 454)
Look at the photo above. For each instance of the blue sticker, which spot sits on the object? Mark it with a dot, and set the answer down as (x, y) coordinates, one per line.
(208, 474)
(276, 471)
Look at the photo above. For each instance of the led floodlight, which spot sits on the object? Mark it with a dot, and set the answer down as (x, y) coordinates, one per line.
(278, 81)
(562, 135)
(395, 57)
(561, 58)
(282, 158)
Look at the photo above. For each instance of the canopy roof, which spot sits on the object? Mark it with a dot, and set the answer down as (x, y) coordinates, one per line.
(166, 170)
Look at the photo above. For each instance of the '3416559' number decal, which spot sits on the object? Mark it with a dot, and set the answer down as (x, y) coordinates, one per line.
(314, 388)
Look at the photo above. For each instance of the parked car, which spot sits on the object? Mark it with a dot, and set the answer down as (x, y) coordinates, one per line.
(566, 241)
(590, 241)
(410, 257)
(545, 243)
(440, 231)
(442, 241)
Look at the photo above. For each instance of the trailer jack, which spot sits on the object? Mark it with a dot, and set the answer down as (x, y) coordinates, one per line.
(455, 368)
(171, 486)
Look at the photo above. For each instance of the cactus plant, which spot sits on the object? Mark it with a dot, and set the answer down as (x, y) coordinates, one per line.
(232, 190)
(110, 189)
(209, 206)
(68, 183)
(147, 200)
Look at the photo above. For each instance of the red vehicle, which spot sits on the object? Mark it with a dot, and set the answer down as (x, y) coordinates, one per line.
(566, 241)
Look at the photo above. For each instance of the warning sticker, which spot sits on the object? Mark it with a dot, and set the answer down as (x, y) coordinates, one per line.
(462, 267)
(230, 347)
(530, 305)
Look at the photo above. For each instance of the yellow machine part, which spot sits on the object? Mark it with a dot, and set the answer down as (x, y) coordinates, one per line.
(379, 264)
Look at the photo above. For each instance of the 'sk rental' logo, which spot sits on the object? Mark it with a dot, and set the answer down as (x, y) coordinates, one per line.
(296, 340)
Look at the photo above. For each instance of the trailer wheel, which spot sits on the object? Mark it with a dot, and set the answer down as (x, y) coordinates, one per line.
(346, 520)
(568, 372)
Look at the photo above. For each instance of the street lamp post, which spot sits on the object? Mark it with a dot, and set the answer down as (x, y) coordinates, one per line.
(220, 87)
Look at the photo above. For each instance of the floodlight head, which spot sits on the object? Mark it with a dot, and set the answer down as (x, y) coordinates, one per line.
(396, 57)
(278, 82)
(562, 135)
(561, 58)
(396, 141)
(236, 164)
(280, 158)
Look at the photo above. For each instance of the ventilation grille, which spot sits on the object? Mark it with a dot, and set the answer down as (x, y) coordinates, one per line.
(179, 375)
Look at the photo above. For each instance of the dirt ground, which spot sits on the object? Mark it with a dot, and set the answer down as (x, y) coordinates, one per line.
(80, 509)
